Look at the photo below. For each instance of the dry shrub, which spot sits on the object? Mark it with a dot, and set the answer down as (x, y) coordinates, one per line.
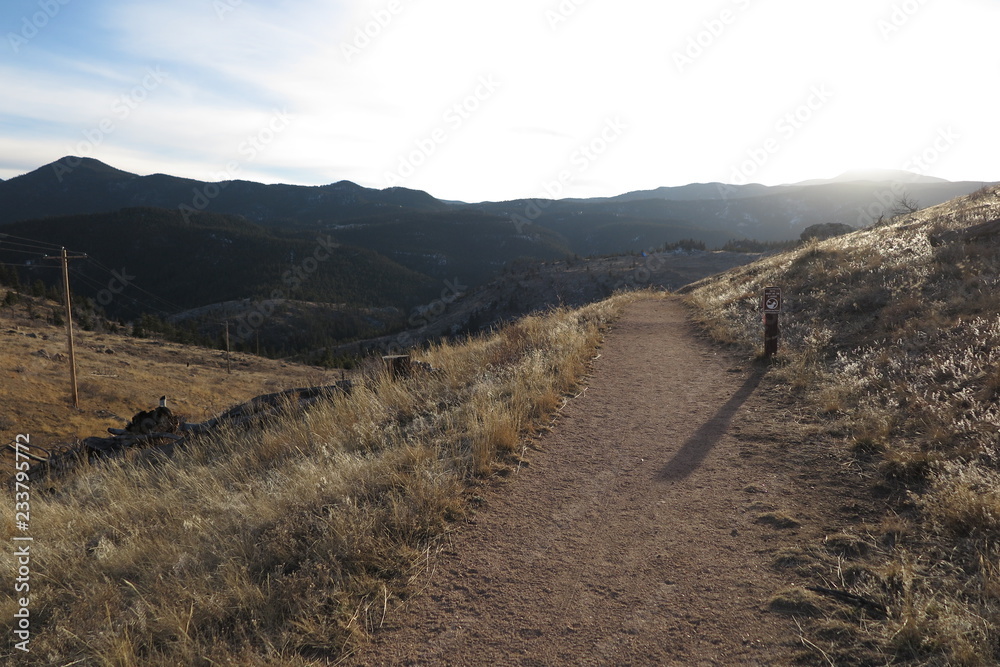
(965, 500)
(896, 314)
(872, 429)
(989, 392)
(509, 346)
(846, 545)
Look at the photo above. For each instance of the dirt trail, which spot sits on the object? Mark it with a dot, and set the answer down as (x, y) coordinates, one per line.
(630, 539)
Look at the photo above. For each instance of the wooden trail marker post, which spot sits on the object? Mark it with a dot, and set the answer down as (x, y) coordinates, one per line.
(398, 365)
(772, 308)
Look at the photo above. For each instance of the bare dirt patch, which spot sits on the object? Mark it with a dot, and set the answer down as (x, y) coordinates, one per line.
(634, 536)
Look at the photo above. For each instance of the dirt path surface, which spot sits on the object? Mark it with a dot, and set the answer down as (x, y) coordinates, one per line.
(631, 538)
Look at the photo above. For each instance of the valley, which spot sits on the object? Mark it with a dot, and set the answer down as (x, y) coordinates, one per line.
(315, 272)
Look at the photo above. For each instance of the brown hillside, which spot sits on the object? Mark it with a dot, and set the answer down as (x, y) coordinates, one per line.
(117, 377)
(893, 333)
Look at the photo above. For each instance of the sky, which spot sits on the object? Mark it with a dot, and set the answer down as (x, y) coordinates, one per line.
(473, 100)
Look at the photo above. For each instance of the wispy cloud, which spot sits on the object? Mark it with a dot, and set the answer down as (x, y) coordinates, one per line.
(228, 70)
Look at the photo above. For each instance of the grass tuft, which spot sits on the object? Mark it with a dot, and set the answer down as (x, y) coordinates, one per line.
(795, 601)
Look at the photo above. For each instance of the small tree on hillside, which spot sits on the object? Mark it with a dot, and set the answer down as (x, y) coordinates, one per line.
(904, 205)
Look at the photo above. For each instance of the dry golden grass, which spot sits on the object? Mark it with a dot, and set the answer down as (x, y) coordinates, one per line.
(35, 388)
(897, 341)
(285, 546)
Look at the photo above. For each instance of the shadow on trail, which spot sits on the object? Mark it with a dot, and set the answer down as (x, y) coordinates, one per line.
(694, 451)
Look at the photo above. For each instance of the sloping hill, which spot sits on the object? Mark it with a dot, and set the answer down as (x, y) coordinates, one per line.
(118, 376)
(211, 258)
(893, 334)
(467, 245)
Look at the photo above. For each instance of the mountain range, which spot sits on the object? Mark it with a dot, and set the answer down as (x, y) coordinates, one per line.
(195, 243)
(75, 185)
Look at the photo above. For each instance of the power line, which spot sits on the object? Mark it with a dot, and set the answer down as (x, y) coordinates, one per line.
(40, 255)
(171, 305)
(45, 250)
(51, 246)
(35, 243)
(19, 247)
(131, 304)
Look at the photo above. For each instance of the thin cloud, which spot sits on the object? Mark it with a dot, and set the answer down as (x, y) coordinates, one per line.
(357, 117)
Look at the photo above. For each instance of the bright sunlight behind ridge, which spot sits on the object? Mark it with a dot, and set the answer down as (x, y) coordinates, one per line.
(491, 101)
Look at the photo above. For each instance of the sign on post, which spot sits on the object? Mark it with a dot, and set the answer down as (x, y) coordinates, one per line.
(772, 300)
(772, 307)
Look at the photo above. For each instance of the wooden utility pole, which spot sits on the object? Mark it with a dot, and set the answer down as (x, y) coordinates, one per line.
(69, 330)
(229, 367)
(69, 325)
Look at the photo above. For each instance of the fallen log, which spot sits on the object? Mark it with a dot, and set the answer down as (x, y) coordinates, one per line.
(24, 449)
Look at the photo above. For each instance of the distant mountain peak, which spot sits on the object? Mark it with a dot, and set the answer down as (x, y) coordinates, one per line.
(70, 164)
(344, 185)
(89, 163)
(875, 175)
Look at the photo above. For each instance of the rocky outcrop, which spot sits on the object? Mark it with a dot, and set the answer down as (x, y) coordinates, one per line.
(826, 230)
